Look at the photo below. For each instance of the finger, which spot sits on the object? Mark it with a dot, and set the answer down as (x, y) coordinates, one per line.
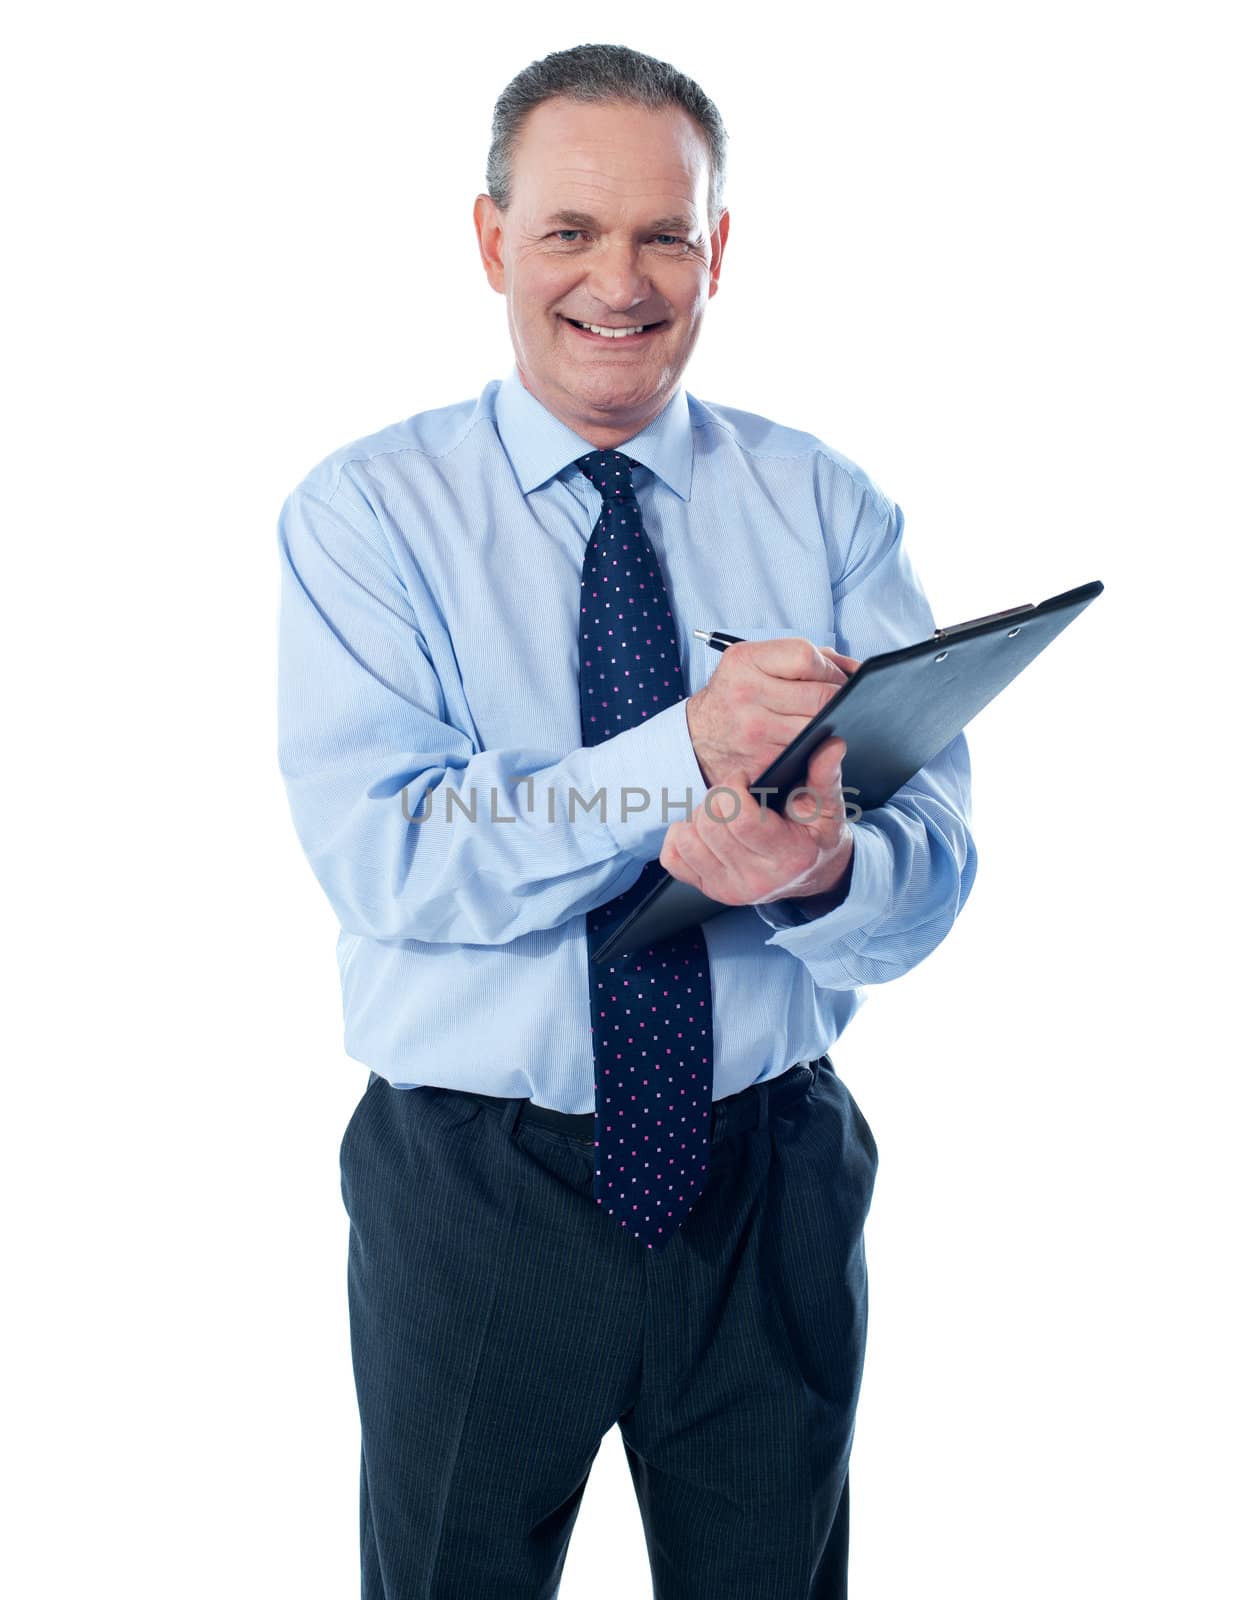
(742, 852)
(807, 693)
(702, 865)
(848, 664)
(790, 701)
(733, 823)
(788, 657)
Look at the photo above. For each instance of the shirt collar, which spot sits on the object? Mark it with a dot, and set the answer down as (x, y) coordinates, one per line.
(540, 446)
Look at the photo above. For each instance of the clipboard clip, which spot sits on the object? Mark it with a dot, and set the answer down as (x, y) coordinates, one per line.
(976, 622)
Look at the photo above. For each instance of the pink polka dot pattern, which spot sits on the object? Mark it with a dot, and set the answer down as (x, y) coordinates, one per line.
(651, 1011)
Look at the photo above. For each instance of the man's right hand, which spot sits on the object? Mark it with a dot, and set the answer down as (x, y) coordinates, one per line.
(759, 698)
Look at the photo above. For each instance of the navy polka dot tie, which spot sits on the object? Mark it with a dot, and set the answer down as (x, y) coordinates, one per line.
(651, 1011)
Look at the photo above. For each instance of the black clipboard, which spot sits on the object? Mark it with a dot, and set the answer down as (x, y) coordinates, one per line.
(899, 710)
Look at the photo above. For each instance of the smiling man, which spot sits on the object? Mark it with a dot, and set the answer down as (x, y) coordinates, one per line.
(585, 1195)
(607, 257)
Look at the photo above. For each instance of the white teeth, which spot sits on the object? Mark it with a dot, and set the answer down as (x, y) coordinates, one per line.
(610, 333)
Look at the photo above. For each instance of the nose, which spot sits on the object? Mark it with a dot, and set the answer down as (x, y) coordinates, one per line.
(616, 278)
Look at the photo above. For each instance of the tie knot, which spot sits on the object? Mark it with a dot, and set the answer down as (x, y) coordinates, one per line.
(609, 470)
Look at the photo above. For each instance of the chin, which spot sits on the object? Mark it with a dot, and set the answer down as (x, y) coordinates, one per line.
(610, 394)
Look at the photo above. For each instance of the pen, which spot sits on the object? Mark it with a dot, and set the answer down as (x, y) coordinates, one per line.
(715, 639)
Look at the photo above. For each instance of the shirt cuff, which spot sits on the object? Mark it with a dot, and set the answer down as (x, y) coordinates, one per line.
(651, 778)
(870, 895)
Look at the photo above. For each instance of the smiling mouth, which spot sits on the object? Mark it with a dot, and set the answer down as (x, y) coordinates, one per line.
(609, 334)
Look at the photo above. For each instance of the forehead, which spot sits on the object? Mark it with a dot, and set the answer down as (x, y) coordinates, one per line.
(610, 156)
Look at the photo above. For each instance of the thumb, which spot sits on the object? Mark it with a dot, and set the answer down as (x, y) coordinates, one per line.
(824, 767)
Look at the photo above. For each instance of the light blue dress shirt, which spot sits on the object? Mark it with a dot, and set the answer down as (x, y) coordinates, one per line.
(430, 737)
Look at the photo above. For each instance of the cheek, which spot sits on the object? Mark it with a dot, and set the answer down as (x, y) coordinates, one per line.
(687, 299)
(541, 284)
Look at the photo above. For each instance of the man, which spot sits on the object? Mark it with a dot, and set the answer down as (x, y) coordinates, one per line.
(633, 1192)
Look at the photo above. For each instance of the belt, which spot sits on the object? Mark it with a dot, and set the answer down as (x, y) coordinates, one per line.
(750, 1108)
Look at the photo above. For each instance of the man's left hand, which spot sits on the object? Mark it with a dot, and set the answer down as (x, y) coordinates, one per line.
(752, 855)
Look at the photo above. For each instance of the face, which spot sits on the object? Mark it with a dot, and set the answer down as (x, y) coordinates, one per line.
(607, 225)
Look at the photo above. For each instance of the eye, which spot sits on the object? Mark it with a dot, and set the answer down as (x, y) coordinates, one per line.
(670, 239)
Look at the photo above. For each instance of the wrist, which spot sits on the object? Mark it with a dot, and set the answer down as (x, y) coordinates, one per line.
(819, 905)
(688, 717)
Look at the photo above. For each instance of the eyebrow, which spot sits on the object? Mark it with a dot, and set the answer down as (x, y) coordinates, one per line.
(581, 219)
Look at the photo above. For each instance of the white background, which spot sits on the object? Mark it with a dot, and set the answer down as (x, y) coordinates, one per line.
(996, 254)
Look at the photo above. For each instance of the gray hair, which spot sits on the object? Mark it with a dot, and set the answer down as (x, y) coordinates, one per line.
(599, 73)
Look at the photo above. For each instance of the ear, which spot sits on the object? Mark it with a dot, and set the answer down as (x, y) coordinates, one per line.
(717, 241)
(490, 233)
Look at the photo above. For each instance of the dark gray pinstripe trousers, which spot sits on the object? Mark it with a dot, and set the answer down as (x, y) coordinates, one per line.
(501, 1324)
